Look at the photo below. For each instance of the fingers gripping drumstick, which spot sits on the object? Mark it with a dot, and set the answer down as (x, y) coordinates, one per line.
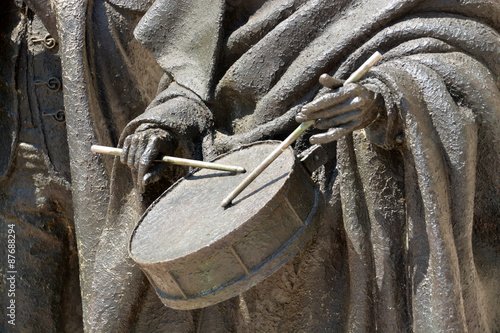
(174, 160)
(292, 137)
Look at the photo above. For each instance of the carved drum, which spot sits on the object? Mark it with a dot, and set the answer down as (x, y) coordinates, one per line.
(196, 253)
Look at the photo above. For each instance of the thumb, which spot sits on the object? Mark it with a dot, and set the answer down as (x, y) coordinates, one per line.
(330, 82)
(153, 175)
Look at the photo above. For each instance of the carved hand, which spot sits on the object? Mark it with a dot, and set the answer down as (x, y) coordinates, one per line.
(142, 148)
(340, 111)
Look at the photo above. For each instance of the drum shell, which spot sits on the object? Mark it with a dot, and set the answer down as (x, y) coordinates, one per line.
(247, 255)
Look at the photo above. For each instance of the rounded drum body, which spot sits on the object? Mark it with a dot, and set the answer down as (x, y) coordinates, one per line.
(196, 253)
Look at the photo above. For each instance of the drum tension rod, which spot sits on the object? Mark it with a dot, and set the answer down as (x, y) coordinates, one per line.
(240, 261)
(176, 283)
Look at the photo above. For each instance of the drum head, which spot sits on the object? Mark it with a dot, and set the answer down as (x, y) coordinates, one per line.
(188, 217)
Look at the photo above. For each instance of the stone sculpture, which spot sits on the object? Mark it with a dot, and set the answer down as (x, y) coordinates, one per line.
(409, 241)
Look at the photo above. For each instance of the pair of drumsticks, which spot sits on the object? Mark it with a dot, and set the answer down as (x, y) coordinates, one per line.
(267, 161)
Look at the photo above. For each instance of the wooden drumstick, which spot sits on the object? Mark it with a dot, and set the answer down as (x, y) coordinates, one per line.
(295, 134)
(174, 160)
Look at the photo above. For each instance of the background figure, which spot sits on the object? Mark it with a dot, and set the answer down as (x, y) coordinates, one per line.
(108, 79)
(35, 185)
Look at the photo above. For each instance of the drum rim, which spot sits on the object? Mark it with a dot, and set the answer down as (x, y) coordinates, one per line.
(308, 227)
